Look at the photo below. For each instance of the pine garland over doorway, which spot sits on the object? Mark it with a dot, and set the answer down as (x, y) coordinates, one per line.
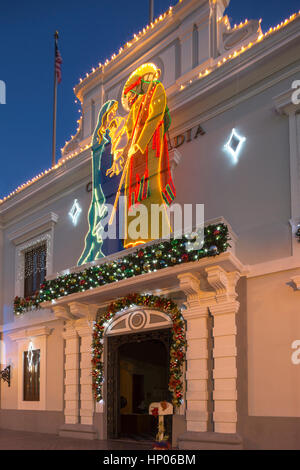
(177, 349)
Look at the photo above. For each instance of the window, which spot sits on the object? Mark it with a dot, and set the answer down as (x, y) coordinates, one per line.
(195, 46)
(34, 269)
(31, 375)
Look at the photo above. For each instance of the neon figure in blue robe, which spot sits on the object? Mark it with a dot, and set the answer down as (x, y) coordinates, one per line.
(104, 187)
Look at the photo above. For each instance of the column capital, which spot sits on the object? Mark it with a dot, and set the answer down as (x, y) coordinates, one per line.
(284, 103)
(83, 327)
(189, 283)
(70, 331)
(223, 283)
(62, 312)
(80, 310)
(197, 299)
(225, 308)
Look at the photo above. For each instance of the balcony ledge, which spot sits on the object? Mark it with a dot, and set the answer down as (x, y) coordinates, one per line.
(163, 281)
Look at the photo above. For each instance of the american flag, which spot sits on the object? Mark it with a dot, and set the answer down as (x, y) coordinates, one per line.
(58, 62)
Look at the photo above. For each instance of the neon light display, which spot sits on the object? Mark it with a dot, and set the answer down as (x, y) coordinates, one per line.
(106, 139)
(148, 177)
(75, 212)
(130, 157)
(234, 145)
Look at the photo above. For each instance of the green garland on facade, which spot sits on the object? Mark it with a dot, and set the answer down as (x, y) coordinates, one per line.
(177, 349)
(148, 259)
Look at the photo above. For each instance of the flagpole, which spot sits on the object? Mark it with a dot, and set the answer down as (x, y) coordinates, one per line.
(151, 11)
(54, 103)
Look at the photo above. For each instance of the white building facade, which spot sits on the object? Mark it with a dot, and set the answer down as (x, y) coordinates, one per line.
(241, 374)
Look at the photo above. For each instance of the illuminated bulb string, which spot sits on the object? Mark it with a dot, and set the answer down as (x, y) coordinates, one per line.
(181, 87)
(238, 52)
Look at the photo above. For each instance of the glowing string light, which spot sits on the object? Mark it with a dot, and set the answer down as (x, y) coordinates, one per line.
(30, 356)
(201, 75)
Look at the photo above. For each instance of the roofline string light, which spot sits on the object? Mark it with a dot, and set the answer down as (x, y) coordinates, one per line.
(130, 43)
(238, 52)
(221, 61)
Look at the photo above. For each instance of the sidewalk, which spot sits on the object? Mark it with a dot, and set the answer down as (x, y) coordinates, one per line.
(20, 440)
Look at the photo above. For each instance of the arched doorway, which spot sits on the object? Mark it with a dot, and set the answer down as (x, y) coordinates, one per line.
(137, 375)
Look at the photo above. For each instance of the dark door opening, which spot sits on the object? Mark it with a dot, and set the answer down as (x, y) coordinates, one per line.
(138, 374)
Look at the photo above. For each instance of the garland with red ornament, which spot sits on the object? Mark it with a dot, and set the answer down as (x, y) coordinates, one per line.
(146, 259)
(177, 349)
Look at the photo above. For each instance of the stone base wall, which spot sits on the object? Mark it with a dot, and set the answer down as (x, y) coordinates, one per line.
(47, 422)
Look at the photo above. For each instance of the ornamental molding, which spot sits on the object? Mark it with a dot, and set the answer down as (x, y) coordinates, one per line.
(70, 331)
(37, 227)
(137, 319)
(284, 105)
(190, 284)
(84, 328)
(47, 238)
(75, 311)
(29, 333)
(248, 62)
(166, 278)
(51, 187)
(225, 308)
(157, 38)
(142, 303)
(62, 312)
(81, 310)
(30, 320)
(197, 299)
(223, 283)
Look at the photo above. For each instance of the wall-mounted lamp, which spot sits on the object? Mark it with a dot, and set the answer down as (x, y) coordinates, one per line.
(5, 375)
(297, 234)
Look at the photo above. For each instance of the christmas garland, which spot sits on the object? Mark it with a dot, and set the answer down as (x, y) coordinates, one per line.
(151, 258)
(177, 349)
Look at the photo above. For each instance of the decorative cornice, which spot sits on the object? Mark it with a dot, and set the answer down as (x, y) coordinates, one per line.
(284, 104)
(223, 283)
(25, 334)
(225, 308)
(151, 35)
(36, 227)
(241, 64)
(83, 328)
(79, 310)
(197, 300)
(278, 38)
(70, 331)
(74, 311)
(62, 312)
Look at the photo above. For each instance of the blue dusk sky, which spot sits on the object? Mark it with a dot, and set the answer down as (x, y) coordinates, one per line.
(90, 31)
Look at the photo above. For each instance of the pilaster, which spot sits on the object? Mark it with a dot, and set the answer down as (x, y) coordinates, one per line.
(224, 312)
(84, 330)
(71, 374)
(196, 316)
(286, 106)
(186, 47)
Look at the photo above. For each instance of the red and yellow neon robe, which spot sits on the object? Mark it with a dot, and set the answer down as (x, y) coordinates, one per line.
(148, 180)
